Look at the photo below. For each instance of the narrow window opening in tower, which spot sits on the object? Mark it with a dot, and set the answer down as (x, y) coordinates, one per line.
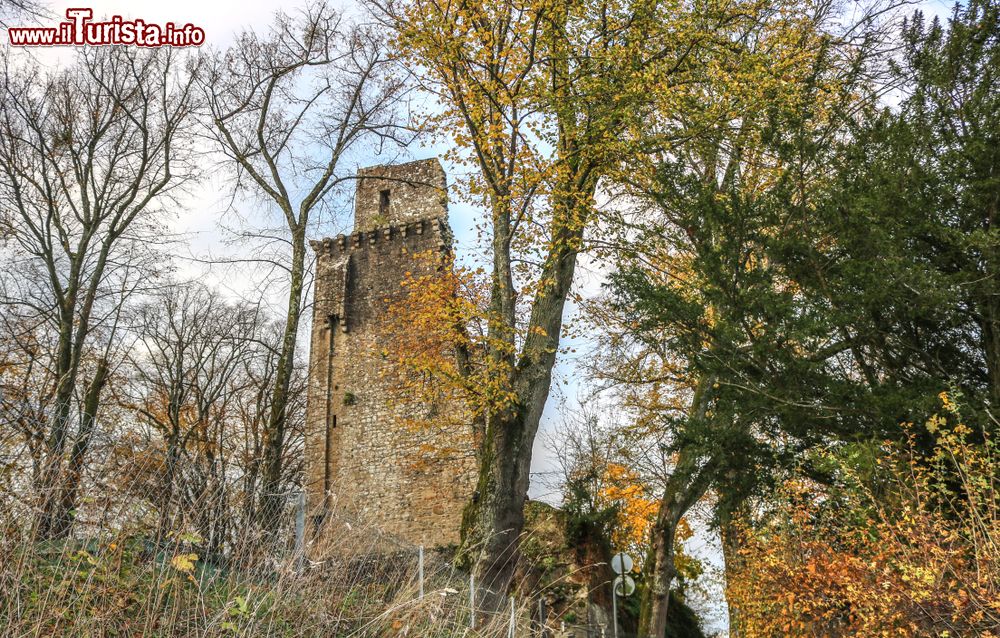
(331, 333)
(383, 202)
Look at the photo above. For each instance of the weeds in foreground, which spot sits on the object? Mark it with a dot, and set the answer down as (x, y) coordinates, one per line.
(123, 584)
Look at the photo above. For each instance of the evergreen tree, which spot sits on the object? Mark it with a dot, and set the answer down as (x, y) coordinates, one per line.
(834, 295)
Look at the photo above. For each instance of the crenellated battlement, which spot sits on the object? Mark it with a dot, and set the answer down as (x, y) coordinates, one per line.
(358, 239)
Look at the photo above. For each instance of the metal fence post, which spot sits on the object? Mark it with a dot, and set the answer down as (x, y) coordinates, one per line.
(420, 569)
(541, 617)
(300, 533)
(513, 621)
(510, 629)
(472, 601)
(614, 610)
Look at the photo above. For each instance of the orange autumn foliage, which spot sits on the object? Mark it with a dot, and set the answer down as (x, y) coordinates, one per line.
(624, 490)
(920, 559)
(435, 340)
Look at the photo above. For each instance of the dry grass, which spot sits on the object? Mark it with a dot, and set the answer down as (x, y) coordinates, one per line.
(125, 584)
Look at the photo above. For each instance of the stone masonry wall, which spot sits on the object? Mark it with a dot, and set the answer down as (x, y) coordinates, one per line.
(416, 190)
(362, 460)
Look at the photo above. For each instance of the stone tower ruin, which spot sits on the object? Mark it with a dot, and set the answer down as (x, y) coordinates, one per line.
(364, 462)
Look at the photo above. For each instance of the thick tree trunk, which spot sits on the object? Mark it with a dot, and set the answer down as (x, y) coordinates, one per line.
(169, 479)
(62, 486)
(75, 310)
(493, 521)
(498, 507)
(687, 483)
(656, 602)
(51, 520)
(272, 498)
(685, 487)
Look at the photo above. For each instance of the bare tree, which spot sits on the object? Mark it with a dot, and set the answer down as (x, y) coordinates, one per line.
(21, 10)
(88, 158)
(286, 109)
(200, 379)
(186, 369)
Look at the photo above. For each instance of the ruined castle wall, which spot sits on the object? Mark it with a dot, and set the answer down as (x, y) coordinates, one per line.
(365, 458)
